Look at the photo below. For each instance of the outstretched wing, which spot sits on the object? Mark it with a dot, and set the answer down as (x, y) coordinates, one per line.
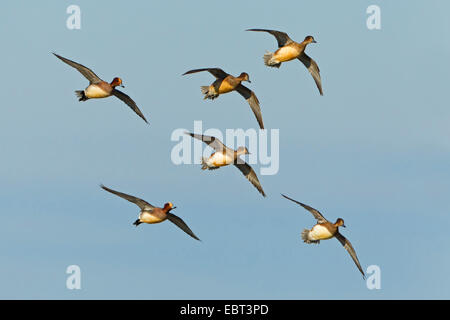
(139, 202)
(181, 224)
(216, 72)
(250, 174)
(320, 218)
(348, 246)
(313, 68)
(85, 71)
(282, 37)
(214, 143)
(125, 98)
(252, 101)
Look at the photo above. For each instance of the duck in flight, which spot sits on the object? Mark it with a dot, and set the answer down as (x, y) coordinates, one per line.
(324, 230)
(100, 89)
(226, 83)
(289, 50)
(224, 156)
(151, 214)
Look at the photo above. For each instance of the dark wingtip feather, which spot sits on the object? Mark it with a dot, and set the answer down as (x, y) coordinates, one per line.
(285, 196)
(192, 71)
(141, 116)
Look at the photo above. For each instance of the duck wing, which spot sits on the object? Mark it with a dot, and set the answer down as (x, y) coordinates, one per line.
(313, 68)
(214, 143)
(129, 102)
(320, 218)
(85, 71)
(181, 224)
(216, 72)
(348, 246)
(250, 174)
(137, 201)
(282, 37)
(252, 101)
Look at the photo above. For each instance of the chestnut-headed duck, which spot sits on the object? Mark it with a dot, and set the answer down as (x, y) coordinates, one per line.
(224, 156)
(324, 230)
(290, 50)
(101, 89)
(151, 214)
(226, 83)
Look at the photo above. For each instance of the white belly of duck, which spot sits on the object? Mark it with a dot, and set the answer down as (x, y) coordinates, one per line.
(96, 92)
(219, 159)
(319, 232)
(147, 217)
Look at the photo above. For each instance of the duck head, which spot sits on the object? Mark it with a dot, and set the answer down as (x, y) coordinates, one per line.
(117, 82)
(242, 150)
(168, 206)
(244, 77)
(339, 223)
(309, 39)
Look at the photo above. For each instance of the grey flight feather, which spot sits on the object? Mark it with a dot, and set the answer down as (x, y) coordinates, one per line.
(129, 102)
(252, 101)
(181, 224)
(214, 143)
(313, 69)
(250, 174)
(137, 201)
(282, 37)
(320, 218)
(216, 72)
(348, 246)
(85, 71)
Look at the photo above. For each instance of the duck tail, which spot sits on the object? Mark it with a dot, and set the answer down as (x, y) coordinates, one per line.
(208, 94)
(305, 237)
(205, 89)
(305, 234)
(80, 94)
(270, 61)
(204, 165)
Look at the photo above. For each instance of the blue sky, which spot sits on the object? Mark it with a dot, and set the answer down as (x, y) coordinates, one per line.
(374, 150)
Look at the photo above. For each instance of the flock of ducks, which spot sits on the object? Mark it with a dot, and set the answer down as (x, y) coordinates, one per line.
(223, 156)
